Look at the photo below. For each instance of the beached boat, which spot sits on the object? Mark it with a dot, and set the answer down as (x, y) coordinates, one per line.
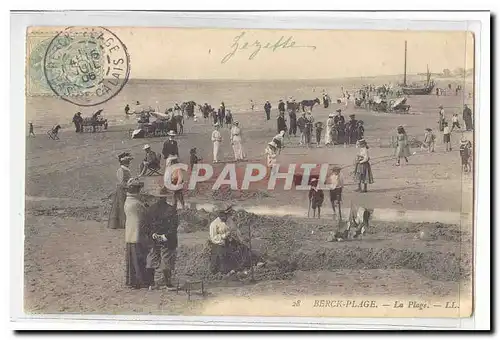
(417, 89)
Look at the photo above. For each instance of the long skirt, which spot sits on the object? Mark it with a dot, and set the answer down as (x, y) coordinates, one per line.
(216, 151)
(403, 150)
(329, 136)
(238, 150)
(117, 213)
(136, 274)
(363, 172)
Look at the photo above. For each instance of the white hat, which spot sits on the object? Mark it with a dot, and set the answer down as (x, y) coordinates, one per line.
(172, 133)
(331, 115)
(282, 132)
(146, 146)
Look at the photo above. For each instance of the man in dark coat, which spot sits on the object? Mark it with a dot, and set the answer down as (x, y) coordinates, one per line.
(467, 116)
(267, 108)
(281, 122)
(293, 123)
(221, 114)
(170, 147)
(281, 106)
(161, 222)
(78, 121)
(301, 123)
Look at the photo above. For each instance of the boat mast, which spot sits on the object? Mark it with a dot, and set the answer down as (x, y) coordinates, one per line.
(428, 75)
(404, 79)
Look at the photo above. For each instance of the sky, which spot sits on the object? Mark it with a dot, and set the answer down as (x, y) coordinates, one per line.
(193, 53)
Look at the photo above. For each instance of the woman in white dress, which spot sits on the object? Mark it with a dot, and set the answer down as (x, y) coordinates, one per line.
(216, 140)
(236, 140)
(329, 130)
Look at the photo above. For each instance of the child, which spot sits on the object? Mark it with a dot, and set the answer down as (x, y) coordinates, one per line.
(465, 154)
(193, 158)
(454, 121)
(447, 136)
(319, 129)
(361, 130)
(31, 131)
(316, 197)
(429, 140)
(336, 185)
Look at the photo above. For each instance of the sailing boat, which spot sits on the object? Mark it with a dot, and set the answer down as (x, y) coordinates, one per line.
(417, 90)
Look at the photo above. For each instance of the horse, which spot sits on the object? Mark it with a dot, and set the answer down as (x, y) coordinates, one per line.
(309, 103)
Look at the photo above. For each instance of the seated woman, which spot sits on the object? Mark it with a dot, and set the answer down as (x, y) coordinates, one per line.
(227, 251)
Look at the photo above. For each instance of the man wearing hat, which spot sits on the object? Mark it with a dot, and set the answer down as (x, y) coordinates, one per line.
(267, 109)
(170, 147)
(293, 121)
(151, 161)
(308, 129)
(78, 121)
(216, 141)
(161, 222)
(467, 116)
(223, 239)
(31, 130)
(281, 106)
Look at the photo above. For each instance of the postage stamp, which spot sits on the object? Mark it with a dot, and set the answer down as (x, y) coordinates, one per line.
(86, 66)
(250, 172)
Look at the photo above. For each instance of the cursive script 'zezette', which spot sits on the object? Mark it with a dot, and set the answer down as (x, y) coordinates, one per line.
(255, 47)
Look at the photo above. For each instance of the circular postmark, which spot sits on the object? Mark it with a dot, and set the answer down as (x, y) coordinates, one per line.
(86, 66)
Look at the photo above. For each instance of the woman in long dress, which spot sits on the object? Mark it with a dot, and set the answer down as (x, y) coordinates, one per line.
(329, 130)
(136, 276)
(236, 142)
(363, 170)
(271, 152)
(403, 147)
(116, 218)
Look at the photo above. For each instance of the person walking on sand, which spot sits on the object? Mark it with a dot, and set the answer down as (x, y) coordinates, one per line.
(319, 130)
(316, 197)
(216, 140)
(429, 140)
(402, 147)
(363, 170)
(170, 147)
(467, 117)
(336, 183)
(465, 154)
(441, 119)
(136, 244)
(267, 109)
(271, 153)
(252, 105)
(308, 130)
(301, 124)
(116, 218)
(78, 121)
(236, 142)
(281, 122)
(447, 137)
(454, 122)
(281, 107)
(31, 130)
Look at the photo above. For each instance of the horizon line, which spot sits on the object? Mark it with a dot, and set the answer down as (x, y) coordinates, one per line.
(288, 79)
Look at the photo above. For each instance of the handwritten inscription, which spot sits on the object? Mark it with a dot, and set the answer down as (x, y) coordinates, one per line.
(254, 47)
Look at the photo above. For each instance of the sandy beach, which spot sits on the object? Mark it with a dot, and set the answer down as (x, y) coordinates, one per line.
(73, 263)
